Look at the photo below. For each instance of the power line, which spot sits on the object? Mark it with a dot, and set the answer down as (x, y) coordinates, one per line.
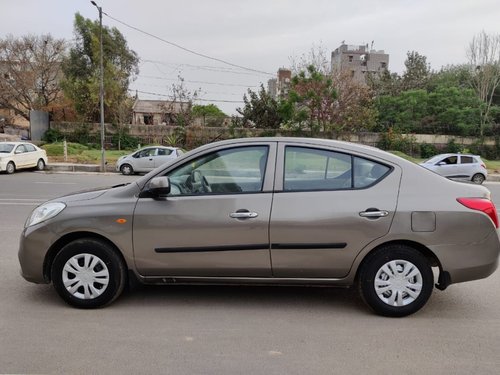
(219, 69)
(197, 99)
(187, 49)
(200, 82)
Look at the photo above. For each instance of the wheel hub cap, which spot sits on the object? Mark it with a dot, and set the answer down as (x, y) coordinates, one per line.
(85, 276)
(398, 283)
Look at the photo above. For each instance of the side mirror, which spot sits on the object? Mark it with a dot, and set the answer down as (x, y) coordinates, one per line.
(159, 187)
(441, 163)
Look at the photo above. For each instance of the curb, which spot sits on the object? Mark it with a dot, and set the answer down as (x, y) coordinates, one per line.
(77, 168)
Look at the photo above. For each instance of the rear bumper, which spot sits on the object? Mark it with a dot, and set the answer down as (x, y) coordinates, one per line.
(470, 261)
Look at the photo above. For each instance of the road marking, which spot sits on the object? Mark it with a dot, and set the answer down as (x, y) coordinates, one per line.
(21, 202)
(23, 199)
(55, 183)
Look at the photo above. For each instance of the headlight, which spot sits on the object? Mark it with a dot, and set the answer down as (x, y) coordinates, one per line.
(44, 212)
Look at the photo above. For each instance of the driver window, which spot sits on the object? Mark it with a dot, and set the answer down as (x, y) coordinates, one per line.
(147, 153)
(450, 160)
(237, 170)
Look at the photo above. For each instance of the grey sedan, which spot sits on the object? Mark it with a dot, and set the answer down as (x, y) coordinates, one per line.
(281, 211)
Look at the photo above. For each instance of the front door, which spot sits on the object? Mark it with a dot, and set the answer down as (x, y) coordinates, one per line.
(145, 160)
(331, 205)
(215, 222)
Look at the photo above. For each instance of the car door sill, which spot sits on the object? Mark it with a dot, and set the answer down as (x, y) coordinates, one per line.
(209, 280)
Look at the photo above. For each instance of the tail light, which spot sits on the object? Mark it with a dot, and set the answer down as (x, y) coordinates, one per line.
(482, 165)
(481, 204)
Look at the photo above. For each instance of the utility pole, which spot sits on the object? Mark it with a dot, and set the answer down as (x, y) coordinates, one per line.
(101, 89)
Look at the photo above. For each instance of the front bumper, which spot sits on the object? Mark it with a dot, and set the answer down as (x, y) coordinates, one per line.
(32, 253)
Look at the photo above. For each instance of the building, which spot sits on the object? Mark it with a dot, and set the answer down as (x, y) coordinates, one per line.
(157, 112)
(280, 86)
(359, 60)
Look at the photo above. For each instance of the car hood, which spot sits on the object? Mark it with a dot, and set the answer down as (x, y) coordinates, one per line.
(83, 195)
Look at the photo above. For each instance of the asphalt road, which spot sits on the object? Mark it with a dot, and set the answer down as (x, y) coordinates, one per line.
(229, 330)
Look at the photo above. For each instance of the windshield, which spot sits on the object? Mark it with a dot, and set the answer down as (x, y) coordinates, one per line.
(6, 147)
(434, 159)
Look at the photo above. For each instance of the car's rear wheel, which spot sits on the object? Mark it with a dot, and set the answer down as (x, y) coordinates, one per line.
(396, 280)
(40, 165)
(11, 167)
(88, 273)
(478, 178)
(127, 169)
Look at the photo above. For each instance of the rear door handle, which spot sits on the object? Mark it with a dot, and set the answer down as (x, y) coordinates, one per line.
(243, 215)
(373, 214)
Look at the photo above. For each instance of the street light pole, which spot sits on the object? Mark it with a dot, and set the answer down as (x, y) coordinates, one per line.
(101, 89)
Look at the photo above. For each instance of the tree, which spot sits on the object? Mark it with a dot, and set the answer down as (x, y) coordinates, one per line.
(318, 56)
(417, 71)
(81, 69)
(484, 63)
(331, 103)
(261, 110)
(385, 83)
(210, 113)
(30, 71)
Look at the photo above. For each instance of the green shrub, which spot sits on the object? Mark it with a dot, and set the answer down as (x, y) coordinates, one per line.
(452, 147)
(52, 136)
(427, 150)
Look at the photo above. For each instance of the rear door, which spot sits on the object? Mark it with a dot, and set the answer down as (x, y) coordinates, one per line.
(32, 155)
(328, 206)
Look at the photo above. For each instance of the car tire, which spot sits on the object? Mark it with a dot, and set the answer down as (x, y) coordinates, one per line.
(395, 281)
(11, 167)
(478, 178)
(127, 169)
(88, 273)
(40, 165)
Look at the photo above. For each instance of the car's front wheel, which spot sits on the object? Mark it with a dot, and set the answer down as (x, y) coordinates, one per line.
(127, 169)
(88, 273)
(396, 280)
(478, 178)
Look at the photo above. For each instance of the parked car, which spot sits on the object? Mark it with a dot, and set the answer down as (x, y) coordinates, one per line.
(19, 155)
(458, 166)
(146, 159)
(269, 211)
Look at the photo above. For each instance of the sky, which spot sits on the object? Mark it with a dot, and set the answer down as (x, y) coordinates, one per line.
(261, 35)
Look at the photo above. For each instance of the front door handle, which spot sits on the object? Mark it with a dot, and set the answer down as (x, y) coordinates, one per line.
(373, 214)
(243, 215)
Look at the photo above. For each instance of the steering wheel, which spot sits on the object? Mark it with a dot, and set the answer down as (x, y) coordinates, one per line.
(198, 183)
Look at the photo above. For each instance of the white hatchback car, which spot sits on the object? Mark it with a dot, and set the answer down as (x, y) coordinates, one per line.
(458, 166)
(18, 155)
(146, 159)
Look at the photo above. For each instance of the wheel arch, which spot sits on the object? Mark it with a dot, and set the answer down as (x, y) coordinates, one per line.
(70, 237)
(422, 249)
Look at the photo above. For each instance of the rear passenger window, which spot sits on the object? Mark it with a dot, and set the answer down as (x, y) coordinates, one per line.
(467, 159)
(313, 169)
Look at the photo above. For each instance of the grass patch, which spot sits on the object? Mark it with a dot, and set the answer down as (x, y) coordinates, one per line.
(81, 154)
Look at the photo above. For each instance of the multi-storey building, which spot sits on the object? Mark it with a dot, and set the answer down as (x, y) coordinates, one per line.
(279, 87)
(359, 60)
